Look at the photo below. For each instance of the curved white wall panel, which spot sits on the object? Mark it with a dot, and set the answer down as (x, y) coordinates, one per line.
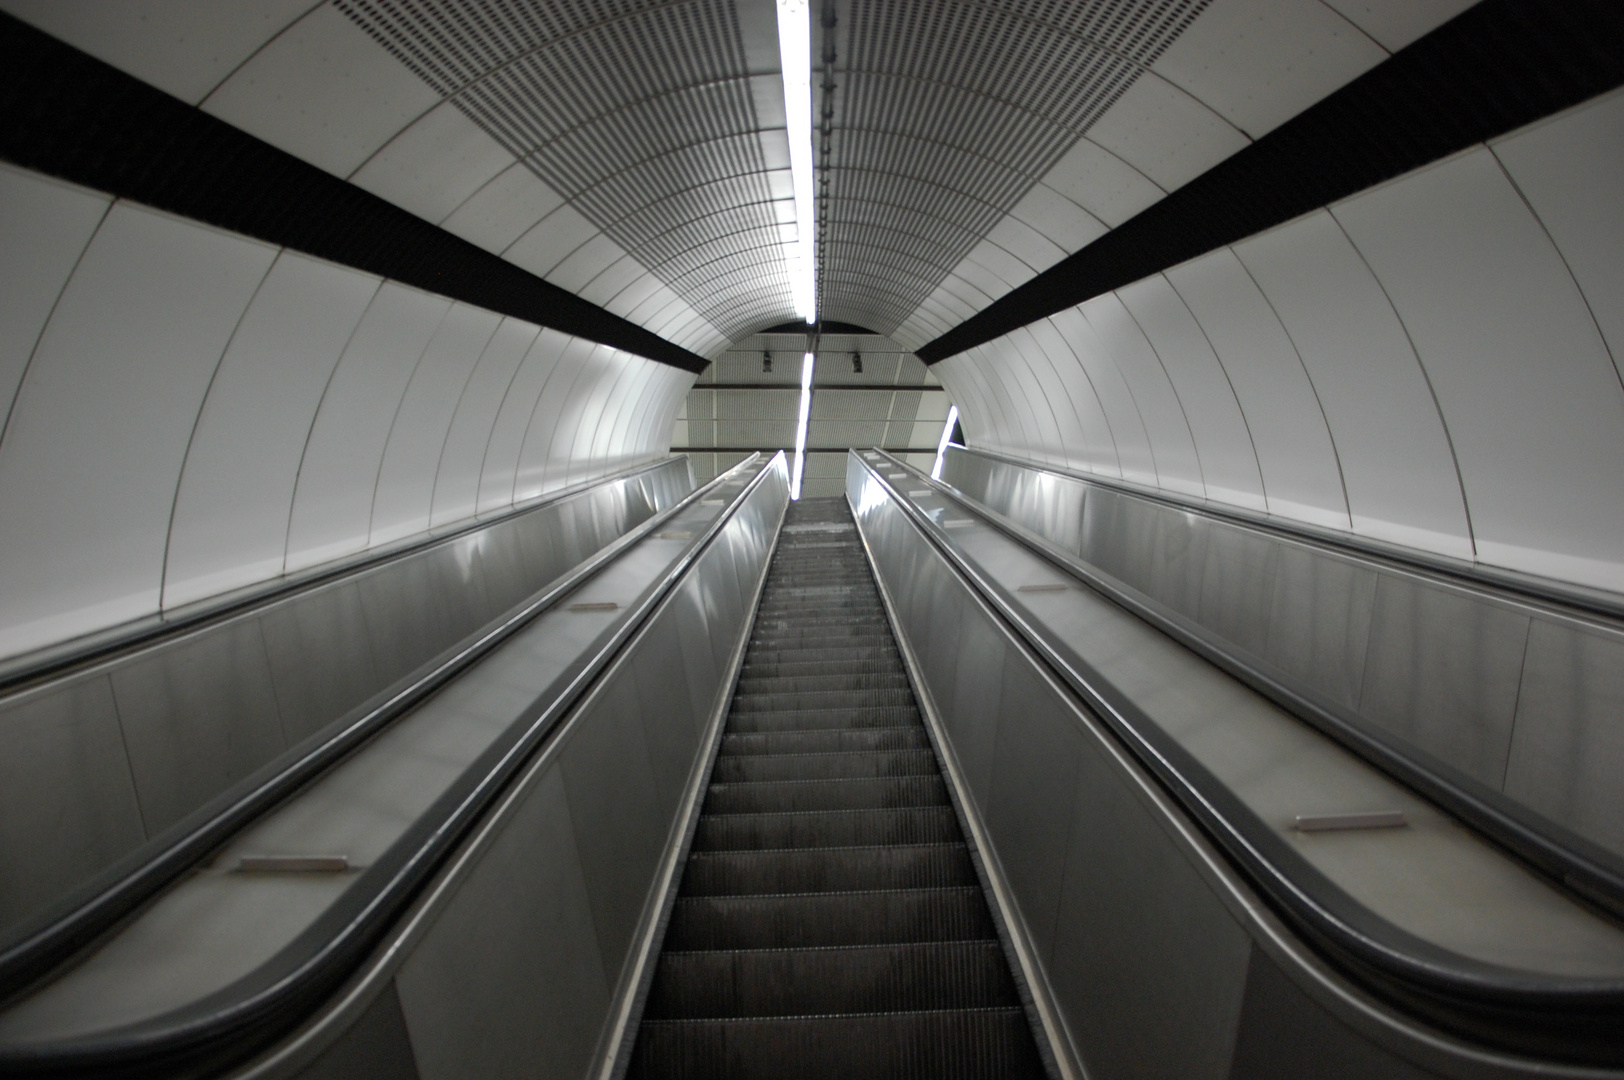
(332, 503)
(456, 484)
(1426, 363)
(44, 228)
(526, 477)
(404, 492)
(1294, 452)
(1229, 468)
(1394, 453)
(1568, 168)
(1072, 343)
(231, 513)
(503, 210)
(1524, 380)
(93, 453)
(499, 481)
(1178, 467)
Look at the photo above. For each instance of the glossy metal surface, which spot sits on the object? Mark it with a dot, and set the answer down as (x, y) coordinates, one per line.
(1160, 958)
(1510, 691)
(189, 716)
(520, 960)
(220, 924)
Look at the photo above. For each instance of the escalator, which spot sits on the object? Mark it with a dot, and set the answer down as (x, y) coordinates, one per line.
(829, 920)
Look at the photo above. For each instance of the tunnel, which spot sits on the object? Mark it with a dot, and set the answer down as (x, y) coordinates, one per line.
(723, 539)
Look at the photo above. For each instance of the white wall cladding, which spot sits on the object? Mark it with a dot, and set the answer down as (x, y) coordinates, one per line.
(190, 411)
(1241, 69)
(1430, 363)
(305, 78)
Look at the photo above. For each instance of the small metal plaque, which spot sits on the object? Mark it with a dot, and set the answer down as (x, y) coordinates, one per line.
(606, 605)
(1369, 819)
(674, 536)
(293, 864)
(1048, 586)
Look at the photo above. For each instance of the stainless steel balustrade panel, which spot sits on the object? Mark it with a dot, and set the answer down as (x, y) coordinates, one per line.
(321, 658)
(1567, 745)
(485, 994)
(517, 975)
(1161, 961)
(196, 713)
(197, 719)
(1512, 692)
(67, 799)
(218, 925)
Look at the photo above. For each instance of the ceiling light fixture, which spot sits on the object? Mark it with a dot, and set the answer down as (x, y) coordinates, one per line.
(800, 427)
(941, 447)
(766, 362)
(795, 58)
(856, 363)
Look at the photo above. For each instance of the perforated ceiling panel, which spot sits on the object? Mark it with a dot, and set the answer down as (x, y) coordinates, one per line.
(947, 113)
(640, 113)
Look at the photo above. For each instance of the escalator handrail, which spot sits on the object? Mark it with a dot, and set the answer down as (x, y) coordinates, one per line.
(1578, 1018)
(42, 943)
(1590, 872)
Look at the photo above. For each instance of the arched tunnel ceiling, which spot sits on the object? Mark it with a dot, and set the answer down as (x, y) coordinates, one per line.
(634, 153)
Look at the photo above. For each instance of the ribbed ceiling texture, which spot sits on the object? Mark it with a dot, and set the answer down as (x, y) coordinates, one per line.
(644, 116)
(947, 114)
(640, 114)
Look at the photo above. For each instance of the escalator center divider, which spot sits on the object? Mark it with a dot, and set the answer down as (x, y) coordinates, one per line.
(829, 920)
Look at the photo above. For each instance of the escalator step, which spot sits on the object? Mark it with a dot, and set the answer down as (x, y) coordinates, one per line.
(824, 719)
(800, 920)
(808, 684)
(848, 979)
(821, 699)
(808, 870)
(947, 1044)
(909, 737)
(826, 828)
(863, 793)
(840, 765)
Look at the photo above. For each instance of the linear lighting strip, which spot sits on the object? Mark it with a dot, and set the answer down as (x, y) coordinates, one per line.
(795, 60)
(941, 447)
(800, 427)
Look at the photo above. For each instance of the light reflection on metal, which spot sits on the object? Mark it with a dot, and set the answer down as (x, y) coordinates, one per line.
(941, 447)
(800, 426)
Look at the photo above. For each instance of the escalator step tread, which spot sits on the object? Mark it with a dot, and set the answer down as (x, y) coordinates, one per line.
(826, 828)
(858, 793)
(829, 921)
(798, 920)
(830, 869)
(945, 1044)
(842, 979)
(824, 765)
(902, 737)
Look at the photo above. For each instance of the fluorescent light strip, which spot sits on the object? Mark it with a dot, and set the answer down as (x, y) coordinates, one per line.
(800, 427)
(795, 59)
(941, 447)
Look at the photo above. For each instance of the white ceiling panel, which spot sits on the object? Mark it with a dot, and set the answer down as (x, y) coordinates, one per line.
(1165, 133)
(1065, 224)
(1258, 63)
(1396, 23)
(585, 263)
(1029, 245)
(435, 165)
(552, 240)
(1102, 183)
(503, 210)
(323, 91)
(183, 47)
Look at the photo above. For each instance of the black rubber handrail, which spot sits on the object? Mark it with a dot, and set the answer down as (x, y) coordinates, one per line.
(67, 659)
(43, 942)
(235, 1021)
(1572, 1019)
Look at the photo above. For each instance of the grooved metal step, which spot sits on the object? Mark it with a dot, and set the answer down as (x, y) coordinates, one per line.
(829, 921)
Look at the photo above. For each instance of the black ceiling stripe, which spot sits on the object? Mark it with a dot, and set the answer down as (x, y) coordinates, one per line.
(67, 114)
(1490, 70)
